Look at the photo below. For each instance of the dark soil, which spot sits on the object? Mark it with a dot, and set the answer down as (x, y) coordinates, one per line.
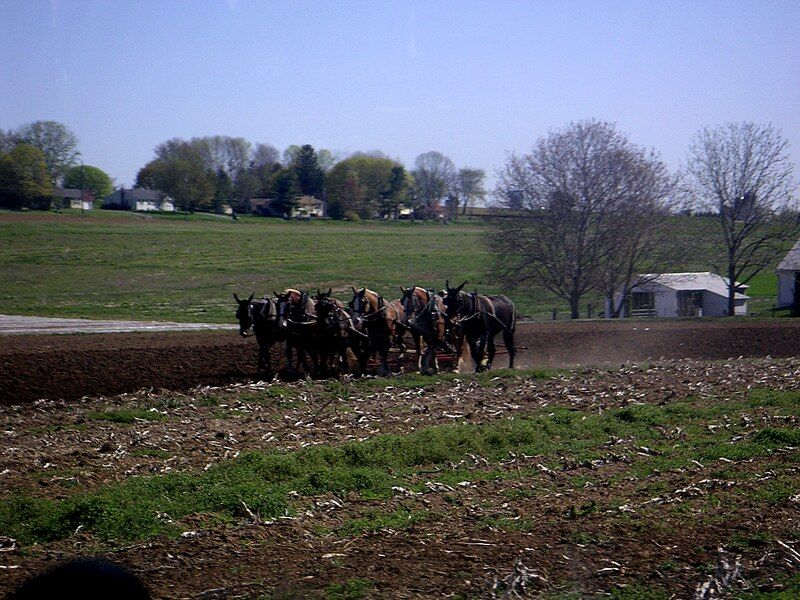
(591, 528)
(70, 367)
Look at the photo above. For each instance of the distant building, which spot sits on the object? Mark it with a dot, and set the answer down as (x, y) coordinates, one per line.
(683, 295)
(305, 207)
(140, 199)
(73, 198)
(789, 279)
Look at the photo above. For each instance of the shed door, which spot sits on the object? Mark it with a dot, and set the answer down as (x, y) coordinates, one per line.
(690, 303)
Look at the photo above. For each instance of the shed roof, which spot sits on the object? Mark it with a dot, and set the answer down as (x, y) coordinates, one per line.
(66, 193)
(716, 284)
(145, 194)
(791, 262)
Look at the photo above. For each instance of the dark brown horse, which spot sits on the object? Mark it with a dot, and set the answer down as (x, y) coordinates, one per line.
(333, 331)
(296, 321)
(425, 318)
(481, 318)
(262, 317)
(380, 319)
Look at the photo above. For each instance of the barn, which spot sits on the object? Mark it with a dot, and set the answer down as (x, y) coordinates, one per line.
(684, 295)
(789, 278)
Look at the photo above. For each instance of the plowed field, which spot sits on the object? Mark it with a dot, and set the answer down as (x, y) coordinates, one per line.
(646, 480)
(69, 367)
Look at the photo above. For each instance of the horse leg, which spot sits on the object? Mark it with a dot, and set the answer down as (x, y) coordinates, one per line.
(400, 332)
(473, 350)
(508, 340)
(383, 353)
(268, 361)
(344, 366)
(481, 350)
(490, 351)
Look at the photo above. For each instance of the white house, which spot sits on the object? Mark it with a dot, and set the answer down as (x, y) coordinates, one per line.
(684, 295)
(789, 278)
(139, 199)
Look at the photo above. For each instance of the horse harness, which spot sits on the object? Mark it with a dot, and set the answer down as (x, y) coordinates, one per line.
(475, 312)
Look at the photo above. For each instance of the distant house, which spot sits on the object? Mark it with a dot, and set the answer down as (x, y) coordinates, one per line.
(139, 199)
(684, 295)
(309, 206)
(789, 278)
(305, 207)
(73, 198)
(494, 212)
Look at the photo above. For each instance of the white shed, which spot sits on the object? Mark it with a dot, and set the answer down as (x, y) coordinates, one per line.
(789, 277)
(684, 295)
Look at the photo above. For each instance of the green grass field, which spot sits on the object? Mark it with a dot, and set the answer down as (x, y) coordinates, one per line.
(107, 264)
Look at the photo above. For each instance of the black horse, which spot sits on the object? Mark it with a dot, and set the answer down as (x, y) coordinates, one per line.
(427, 322)
(262, 317)
(333, 331)
(297, 322)
(480, 318)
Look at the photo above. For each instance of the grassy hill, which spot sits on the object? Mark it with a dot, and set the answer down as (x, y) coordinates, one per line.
(117, 264)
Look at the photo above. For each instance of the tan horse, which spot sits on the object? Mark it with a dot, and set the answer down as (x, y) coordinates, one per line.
(380, 320)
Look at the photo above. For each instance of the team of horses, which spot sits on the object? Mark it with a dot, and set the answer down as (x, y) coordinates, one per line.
(321, 334)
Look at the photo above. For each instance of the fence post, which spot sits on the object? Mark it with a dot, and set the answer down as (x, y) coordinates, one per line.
(555, 312)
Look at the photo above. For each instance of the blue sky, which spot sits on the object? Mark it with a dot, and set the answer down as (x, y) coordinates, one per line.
(470, 79)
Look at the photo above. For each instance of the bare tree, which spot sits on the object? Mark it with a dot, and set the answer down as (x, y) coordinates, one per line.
(469, 184)
(636, 236)
(265, 154)
(743, 173)
(588, 195)
(434, 177)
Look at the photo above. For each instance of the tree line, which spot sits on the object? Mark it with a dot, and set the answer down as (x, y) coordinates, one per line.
(204, 173)
(39, 156)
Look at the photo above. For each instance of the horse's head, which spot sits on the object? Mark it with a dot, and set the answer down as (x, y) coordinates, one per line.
(244, 314)
(413, 299)
(359, 302)
(452, 299)
(282, 308)
(325, 304)
(426, 318)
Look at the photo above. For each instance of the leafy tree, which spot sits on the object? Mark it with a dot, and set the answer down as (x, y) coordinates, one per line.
(223, 189)
(435, 177)
(24, 179)
(469, 186)
(310, 177)
(86, 177)
(56, 141)
(179, 171)
(743, 173)
(396, 193)
(285, 191)
(375, 184)
(290, 155)
(326, 159)
(349, 198)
